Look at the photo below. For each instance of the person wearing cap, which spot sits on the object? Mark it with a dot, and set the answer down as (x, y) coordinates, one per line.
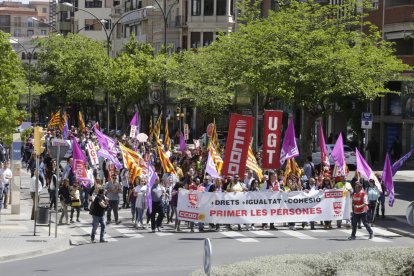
(359, 208)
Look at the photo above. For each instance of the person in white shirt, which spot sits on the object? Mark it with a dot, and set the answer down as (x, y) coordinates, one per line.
(248, 179)
(6, 176)
(33, 190)
(140, 192)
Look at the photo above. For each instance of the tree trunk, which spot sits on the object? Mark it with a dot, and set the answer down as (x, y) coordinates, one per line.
(306, 134)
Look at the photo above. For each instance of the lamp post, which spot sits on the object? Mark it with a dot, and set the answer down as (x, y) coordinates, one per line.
(165, 13)
(108, 39)
(28, 54)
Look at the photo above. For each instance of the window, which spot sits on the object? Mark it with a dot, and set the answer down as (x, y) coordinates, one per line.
(29, 23)
(195, 39)
(107, 24)
(92, 25)
(403, 46)
(23, 55)
(196, 8)
(43, 32)
(221, 7)
(18, 21)
(44, 10)
(93, 4)
(393, 3)
(17, 33)
(208, 7)
(30, 33)
(207, 38)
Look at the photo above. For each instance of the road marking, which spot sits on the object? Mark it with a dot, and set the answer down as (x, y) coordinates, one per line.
(239, 237)
(162, 234)
(384, 233)
(365, 235)
(319, 231)
(297, 234)
(262, 233)
(128, 232)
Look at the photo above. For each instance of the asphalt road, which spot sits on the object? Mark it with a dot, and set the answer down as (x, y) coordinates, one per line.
(170, 253)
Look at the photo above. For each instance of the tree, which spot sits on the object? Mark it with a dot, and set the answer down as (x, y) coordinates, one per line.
(12, 84)
(308, 55)
(129, 77)
(74, 67)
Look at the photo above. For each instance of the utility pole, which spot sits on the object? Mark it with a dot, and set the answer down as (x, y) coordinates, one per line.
(39, 140)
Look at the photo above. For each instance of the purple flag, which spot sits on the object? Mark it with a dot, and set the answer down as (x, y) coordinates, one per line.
(152, 176)
(65, 132)
(289, 147)
(365, 170)
(104, 141)
(183, 146)
(337, 153)
(387, 180)
(78, 162)
(134, 120)
(398, 164)
(110, 156)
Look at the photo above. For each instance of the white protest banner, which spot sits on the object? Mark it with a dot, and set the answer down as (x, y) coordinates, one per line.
(92, 153)
(263, 207)
(133, 133)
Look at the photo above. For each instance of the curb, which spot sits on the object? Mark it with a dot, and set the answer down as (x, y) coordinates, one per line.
(60, 246)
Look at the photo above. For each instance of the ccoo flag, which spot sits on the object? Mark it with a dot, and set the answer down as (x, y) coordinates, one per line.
(387, 180)
(289, 147)
(365, 170)
(78, 162)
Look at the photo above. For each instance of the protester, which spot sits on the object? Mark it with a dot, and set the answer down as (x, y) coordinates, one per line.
(112, 189)
(359, 207)
(98, 206)
(6, 175)
(75, 202)
(65, 200)
(157, 193)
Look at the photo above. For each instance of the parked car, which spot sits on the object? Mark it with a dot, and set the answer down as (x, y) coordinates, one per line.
(349, 156)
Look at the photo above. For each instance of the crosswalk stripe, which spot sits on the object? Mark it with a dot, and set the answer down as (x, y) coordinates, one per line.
(319, 231)
(385, 233)
(360, 234)
(297, 234)
(239, 237)
(161, 234)
(131, 233)
(262, 233)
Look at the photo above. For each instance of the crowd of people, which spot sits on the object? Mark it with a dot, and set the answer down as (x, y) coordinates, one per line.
(110, 189)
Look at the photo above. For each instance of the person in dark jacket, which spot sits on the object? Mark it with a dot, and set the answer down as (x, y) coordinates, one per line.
(65, 200)
(97, 211)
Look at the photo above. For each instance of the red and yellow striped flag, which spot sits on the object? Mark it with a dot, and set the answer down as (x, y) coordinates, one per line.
(165, 161)
(63, 121)
(157, 128)
(214, 138)
(291, 168)
(253, 165)
(151, 130)
(54, 120)
(167, 141)
(131, 161)
(82, 126)
(218, 161)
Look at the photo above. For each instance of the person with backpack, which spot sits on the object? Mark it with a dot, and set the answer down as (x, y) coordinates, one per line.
(97, 210)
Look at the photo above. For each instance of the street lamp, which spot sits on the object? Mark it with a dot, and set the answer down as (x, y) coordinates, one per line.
(165, 15)
(108, 38)
(30, 55)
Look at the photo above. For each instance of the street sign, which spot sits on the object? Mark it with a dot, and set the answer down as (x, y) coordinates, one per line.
(17, 151)
(65, 147)
(207, 256)
(410, 214)
(366, 120)
(186, 132)
(59, 142)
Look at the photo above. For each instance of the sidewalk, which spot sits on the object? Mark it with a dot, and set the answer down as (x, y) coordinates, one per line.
(17, 239)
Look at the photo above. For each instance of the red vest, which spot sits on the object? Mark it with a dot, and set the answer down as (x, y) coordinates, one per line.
(273, 186)
(357, 200)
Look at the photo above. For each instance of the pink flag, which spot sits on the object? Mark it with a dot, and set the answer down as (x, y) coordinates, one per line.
(183, 145)
(387, 180)
(322, 145)
(365, 170)
(337, 153)
(78, 162)
(152, 176)
(289, 147)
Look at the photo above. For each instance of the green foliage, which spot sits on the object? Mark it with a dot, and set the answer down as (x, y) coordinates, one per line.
(12, 84)
(25, 134)
(74, 67)
(374, 261)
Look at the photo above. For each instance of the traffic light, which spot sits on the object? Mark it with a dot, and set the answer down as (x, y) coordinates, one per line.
(39, 140)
